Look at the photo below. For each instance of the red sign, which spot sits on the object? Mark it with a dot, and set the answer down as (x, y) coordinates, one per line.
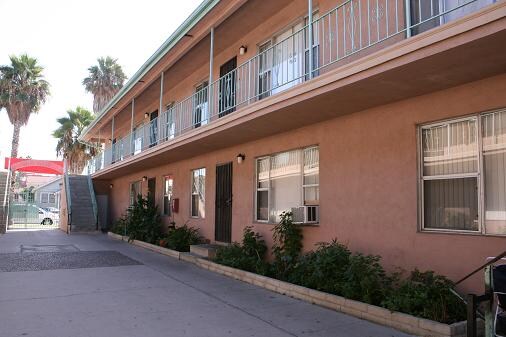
(34, 165)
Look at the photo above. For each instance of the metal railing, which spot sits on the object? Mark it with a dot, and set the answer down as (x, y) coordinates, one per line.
(345, 31)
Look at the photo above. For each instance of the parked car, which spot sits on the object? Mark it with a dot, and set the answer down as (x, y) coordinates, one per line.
(23, 213)
(53, 210)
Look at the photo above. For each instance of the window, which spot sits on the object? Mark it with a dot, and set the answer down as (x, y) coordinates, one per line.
(460, 159)
(44, 197)
(200, 110)
(285, 181)
(170, 122)
(135, 190)
(168, 184)
(52, 198)
(198, 193)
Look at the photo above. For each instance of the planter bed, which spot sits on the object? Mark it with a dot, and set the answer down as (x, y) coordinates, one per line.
(154, 248)
(400, 321)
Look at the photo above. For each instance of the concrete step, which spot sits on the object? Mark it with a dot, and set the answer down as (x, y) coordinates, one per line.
(207, 251)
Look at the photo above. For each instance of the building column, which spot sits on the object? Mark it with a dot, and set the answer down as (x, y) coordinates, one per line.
(132, 140)
(159, 135)
(407, 5)
(310, 37)
(211, 64)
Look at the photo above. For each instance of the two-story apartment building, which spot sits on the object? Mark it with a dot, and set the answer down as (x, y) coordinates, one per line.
(381, 123)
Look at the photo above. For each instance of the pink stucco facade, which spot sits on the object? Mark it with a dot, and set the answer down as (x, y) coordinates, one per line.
(363, 114)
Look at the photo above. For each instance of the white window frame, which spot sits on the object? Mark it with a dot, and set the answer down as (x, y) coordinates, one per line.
(198, 216)
(479, 176)
(167, 195)
(49, 198)
(268, 189)
(133, 199)
(42, 195)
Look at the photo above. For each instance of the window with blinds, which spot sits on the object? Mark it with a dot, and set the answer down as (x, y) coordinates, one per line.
(198, 193)
(286, 180)
(460, 159)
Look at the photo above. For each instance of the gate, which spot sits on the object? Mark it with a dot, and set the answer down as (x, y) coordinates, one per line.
(25, 213)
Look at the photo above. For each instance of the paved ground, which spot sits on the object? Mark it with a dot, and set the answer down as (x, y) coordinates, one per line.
(54, 285)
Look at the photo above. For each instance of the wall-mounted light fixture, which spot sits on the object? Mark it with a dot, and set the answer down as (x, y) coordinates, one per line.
(243, 50)
(111, 186)
(144, 178)
(146, 115)
(240, 158)
(110, 140)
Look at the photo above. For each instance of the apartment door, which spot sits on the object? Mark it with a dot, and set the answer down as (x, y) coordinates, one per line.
(151, 190)
(223, 211)
(227, 86)
(153, 128)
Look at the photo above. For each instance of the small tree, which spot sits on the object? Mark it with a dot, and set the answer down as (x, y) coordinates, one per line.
(287, 244)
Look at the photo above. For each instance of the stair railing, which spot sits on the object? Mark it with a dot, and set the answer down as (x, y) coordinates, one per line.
(473, 301)
(67, 195)
(93, 200)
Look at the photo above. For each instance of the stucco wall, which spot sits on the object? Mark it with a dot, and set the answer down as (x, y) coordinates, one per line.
(368, 182)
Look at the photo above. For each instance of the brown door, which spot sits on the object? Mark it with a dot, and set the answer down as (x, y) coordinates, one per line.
(223, 211)
(151, 190)
(227, 86)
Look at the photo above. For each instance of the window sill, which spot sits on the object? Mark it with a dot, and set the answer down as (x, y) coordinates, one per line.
(456, 232)
(256, 222)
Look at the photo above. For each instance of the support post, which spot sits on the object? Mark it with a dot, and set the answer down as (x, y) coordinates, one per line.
(407, 7)
(211, 65)
(112, 141)
(471, 315)
(159, 135)
(310, 37)
(132, 140)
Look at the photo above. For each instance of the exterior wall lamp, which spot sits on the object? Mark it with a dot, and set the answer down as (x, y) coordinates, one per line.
(144, 178)
(240, 158)
(243, 50)
(146, 115)
(111, 186)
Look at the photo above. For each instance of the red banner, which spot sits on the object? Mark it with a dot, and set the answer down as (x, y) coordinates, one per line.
(34, 165)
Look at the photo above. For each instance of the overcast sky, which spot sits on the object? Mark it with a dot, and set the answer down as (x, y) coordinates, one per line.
(67, 37)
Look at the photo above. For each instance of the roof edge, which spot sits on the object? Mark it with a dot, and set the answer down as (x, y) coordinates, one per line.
(204, 8)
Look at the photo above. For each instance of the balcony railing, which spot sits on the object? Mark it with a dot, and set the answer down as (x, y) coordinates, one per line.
(338, 35)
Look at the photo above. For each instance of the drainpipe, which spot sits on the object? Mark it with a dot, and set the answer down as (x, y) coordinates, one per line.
(211, 64)
(310, 33)
(407, 6)
(161, 107)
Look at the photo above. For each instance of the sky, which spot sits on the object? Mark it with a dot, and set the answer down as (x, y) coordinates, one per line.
(67, 37)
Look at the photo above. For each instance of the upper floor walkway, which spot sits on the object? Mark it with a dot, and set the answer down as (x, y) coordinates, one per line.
(283, 60)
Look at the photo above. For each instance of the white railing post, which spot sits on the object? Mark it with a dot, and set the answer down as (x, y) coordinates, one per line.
(407, 5)
(211, 65)
(310, 37)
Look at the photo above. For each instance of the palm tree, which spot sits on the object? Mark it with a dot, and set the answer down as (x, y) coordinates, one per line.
(68, 146)
(104, 81)
(23, 90)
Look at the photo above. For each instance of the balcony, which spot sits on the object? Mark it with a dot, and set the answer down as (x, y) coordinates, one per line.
(346, 33)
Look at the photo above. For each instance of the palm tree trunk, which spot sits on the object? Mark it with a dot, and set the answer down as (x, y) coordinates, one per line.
(15, 139)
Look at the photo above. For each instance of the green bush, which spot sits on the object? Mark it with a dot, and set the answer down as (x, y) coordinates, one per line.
(181, 238)
(426, 295)
(143, 221)
(249, 255)
(287, 245)
(365, 279)
(322, 269)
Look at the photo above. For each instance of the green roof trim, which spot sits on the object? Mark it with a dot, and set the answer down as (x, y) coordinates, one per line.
(204, 8)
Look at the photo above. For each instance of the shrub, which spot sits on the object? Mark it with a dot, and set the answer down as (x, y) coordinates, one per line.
(365, 279)
(287, 245)
(143, 221)
(119, 226)
(426, 295)
(247, 256)
(322, 269)
(181, 238)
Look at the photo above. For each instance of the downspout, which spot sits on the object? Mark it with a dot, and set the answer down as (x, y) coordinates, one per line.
(310, 33)
(407, 5)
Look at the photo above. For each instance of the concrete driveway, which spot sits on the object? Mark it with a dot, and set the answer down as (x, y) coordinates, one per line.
(53, 285)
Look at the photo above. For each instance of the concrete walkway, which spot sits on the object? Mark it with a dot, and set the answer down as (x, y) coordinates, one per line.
(63, 289)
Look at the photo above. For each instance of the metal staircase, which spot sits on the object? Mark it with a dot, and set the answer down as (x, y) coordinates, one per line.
(81, 204)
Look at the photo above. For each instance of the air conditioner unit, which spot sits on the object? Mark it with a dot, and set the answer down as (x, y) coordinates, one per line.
(306, 214)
